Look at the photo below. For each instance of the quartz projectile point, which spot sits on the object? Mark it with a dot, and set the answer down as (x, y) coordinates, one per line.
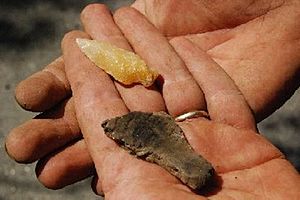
(125, 66)
(155, 137)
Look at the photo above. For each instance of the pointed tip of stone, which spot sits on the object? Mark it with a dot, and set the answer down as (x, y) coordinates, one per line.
(81, 42)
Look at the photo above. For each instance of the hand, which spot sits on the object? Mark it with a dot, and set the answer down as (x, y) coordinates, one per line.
(60, 123)
(63, 117)
(244, 161)
(57, 144)
(55, 135)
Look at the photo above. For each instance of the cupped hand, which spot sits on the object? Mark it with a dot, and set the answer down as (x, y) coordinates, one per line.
(61, 86)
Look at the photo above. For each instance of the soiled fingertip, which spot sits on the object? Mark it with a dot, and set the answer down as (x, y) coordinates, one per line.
(40, 92)
(48, 174)
(17, 147)
(50, 178)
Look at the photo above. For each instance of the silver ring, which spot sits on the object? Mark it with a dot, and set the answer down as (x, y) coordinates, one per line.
(192, 114)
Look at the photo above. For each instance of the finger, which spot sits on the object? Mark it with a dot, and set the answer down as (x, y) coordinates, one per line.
(97, 86)
(66, 166)
(181, 93)
(44, 89)
(225, 102)
(96, 99)
(43, 134)
(99, 24)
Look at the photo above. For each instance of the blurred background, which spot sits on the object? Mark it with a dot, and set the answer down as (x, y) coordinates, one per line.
(30, 34)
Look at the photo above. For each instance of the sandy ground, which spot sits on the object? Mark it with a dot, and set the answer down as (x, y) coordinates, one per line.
(30, 34)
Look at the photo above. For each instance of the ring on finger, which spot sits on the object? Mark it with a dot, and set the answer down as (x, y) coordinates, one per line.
(192, 114)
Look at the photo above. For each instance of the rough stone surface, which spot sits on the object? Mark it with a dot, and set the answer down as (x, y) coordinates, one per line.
(158, 139)
(124, 66)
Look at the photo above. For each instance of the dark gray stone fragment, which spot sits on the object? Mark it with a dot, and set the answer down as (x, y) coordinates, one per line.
(156, 137)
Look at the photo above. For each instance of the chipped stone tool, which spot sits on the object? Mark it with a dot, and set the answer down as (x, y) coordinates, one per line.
(125, 66)
(155, 137)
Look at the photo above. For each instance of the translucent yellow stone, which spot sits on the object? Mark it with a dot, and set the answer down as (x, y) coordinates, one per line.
(125, 66)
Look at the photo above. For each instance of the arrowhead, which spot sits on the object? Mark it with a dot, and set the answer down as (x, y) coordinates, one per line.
(124, 66)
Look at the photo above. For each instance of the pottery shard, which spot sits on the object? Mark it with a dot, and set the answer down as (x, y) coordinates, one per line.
(155, 137)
